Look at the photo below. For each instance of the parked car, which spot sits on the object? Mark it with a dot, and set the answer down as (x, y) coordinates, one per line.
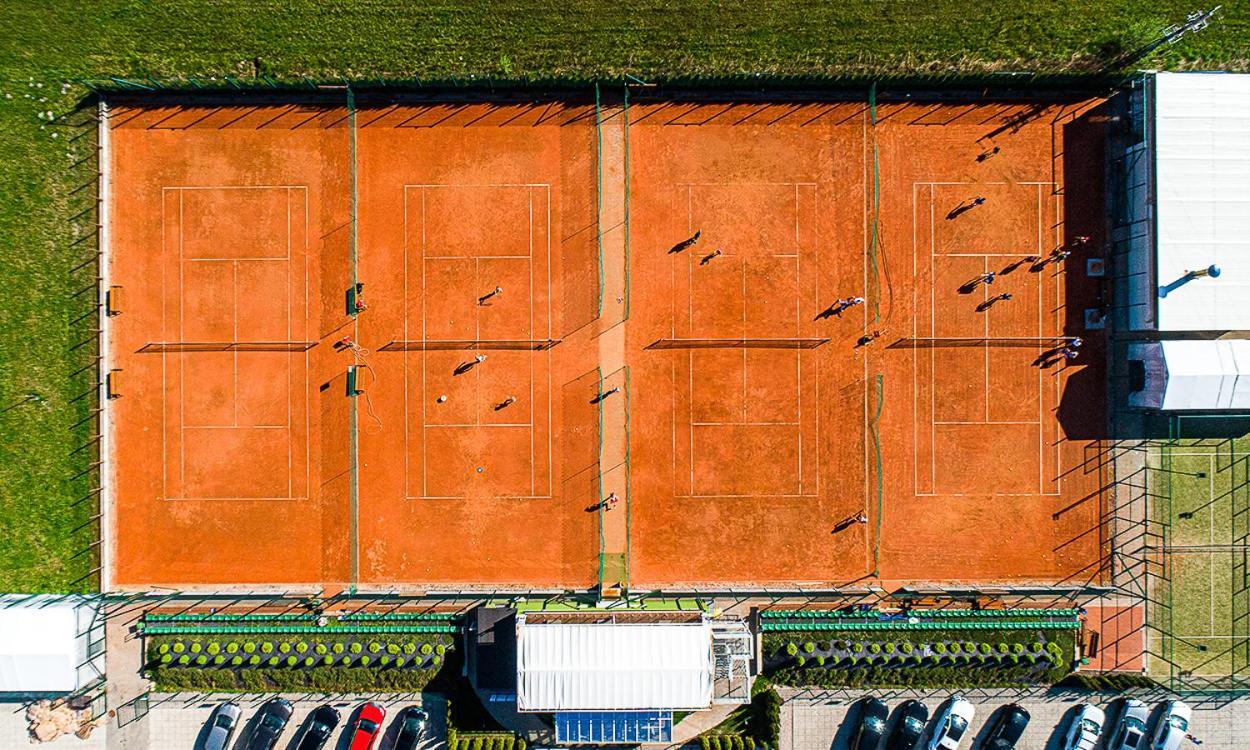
(912, 716)
(952, 724)
(1173, 726)
(872, 716)
(270, 722)
(321, 725)
(222, 725)
(411, 729)
(1131, 728)
(1086, 728)
(1007, 727)
(367, 727)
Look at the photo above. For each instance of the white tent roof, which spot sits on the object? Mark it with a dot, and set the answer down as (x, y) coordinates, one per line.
(611, 667)
(1202, 179)
(40, 645)
(1193, 375)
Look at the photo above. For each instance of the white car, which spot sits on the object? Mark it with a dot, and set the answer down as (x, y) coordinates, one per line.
(1086, 728)
(952, 724)
(1173, 726)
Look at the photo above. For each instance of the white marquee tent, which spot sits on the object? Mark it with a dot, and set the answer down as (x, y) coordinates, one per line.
(1192, 375)
(45, 644)
(614, 667)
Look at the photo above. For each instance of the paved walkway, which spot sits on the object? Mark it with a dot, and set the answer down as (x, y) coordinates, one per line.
(818, 721)
(13, 734)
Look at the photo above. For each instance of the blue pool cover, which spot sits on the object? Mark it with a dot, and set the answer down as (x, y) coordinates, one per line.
(613, 727)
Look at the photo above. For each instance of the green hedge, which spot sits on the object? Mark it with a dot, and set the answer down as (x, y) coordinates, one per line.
(755, 725)
(315, 679)
(458, 739)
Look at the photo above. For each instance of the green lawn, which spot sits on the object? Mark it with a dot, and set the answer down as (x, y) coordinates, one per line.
(43, 43)
(1204, 628)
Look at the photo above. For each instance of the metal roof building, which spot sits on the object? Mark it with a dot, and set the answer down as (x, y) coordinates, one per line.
(1187, 201)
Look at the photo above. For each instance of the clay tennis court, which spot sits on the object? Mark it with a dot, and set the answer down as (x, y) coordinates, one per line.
(525, 308)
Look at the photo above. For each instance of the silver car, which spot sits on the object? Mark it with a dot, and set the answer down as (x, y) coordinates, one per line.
(1130, 732)
(222, 725)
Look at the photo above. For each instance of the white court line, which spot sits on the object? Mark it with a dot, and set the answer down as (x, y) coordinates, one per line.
(745, 424)
(1032, 422)
(258, 258)
(478, 425)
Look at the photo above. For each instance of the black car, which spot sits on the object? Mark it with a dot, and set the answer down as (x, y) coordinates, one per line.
(1006, 730)
(321, 725)
(270, 722)
(872, 716)
(912, 718)
(411, 729)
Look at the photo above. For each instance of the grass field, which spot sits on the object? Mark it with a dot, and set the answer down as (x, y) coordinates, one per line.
(44, 470)
(1202, 502)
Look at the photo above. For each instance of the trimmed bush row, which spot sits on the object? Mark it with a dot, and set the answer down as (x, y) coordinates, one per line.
(316, 679)
(977, 613)
(406, 652)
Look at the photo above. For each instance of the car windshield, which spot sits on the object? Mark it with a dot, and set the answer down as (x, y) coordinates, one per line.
(914, 724)
(368, 726)
(273, 721)
(958, 725)
(1091, 727)
(1178, 722)
(1132, 738)
(223, 721)
(874, 724)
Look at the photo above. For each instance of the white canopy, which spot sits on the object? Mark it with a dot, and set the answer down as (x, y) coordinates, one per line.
(1202, 180)
(1194, 375)
(613, 667)
(43, 643)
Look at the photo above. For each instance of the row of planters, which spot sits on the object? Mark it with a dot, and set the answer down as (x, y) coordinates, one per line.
(953, 653)
(330, 662)
(947, 662)
(305, 653)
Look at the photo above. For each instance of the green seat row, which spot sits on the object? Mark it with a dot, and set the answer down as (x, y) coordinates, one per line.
(398, 616)
(954, 613)
(225, 617)
(259, 630)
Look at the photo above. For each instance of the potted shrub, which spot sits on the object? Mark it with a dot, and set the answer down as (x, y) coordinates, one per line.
(320, 649)
(285, 647)
(889, 647)
(338, 647)
(427, 648)
(291, 660)
(374, 647)
(301, 647)
(356, 648)
(232, 647)
(201, 660)
(196, 647)
(214, 648)
(792, 649)
(179, 647)
(809, 647)
(939, 648)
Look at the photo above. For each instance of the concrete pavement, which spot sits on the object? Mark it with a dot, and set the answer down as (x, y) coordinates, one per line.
(817, 720)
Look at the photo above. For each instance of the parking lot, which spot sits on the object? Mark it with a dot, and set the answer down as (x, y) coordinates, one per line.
(814, 720)
(178, 722)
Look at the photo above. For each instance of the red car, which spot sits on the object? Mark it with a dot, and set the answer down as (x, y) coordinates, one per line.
(367, 727)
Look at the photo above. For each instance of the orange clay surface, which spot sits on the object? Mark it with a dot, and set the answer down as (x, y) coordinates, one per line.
(246, 462)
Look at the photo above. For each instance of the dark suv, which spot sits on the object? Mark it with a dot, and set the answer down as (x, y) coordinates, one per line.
(321, 725)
